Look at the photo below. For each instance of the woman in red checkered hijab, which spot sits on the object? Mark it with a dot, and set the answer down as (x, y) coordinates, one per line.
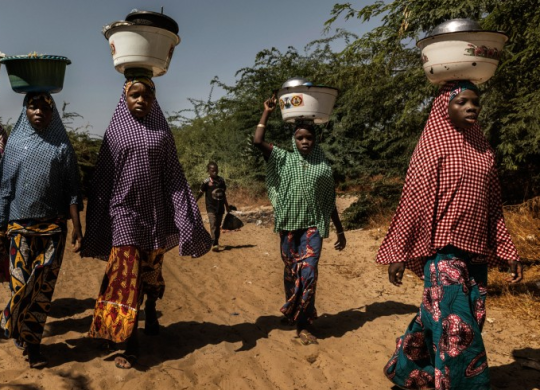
(448, 228)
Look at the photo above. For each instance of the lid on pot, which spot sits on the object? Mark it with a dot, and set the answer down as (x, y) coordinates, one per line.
(154, 19)
(107, 30)
(456, 25)
(296, 82)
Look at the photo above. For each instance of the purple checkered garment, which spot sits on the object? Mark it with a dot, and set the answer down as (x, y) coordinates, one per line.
(451, 196)
(140, 196)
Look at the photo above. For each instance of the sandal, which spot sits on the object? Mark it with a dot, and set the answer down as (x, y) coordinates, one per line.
(125, 361)
(128, 359)
(307, 338)
(20, 344)
(35, 358)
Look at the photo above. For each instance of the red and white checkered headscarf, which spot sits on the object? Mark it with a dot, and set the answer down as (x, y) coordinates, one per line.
(451, 196)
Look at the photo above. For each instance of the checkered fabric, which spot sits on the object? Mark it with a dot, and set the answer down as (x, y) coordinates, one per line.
(451, 196)
(39, 173)
(3, 140)
(300, 189)
(140, 196)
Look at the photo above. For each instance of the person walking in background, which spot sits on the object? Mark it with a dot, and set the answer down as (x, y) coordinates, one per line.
(447, 229)
(215, 196)
(140, 207)
(301, 189)
(39, 191)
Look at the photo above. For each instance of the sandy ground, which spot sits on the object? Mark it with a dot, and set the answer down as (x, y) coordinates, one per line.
(221, 326)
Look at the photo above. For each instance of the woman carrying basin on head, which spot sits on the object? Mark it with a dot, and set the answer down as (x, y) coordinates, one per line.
(301, 189)
(39, 191)
(140, 207)
(448, 228)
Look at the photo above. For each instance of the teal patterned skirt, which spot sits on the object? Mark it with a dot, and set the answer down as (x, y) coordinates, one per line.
(443, 347)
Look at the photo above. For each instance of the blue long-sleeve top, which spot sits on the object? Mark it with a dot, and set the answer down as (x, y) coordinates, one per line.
(39, 174)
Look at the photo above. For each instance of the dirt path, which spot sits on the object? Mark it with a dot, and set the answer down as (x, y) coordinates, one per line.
(221, 326)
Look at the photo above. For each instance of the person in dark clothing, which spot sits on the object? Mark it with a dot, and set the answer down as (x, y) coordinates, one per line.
(213, 188)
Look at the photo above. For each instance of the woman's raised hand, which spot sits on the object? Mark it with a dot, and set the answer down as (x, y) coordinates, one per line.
(270, 104)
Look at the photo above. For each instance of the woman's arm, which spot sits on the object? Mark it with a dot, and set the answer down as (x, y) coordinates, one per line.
(341, 240)
(76, 234)
(258, 138)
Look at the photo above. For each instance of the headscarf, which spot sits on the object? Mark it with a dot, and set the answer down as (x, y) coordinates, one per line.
(139, 79)
(47, 98)
(451, 196)
(40, 177)
(140, 196)
(297, 183)
(460, 86)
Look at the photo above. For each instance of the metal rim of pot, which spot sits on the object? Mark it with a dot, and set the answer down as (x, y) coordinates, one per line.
(154, 19)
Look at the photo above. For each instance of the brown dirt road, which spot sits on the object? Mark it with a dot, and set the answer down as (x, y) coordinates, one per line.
(221, 326)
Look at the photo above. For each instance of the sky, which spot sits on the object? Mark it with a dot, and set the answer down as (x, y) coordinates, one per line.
(218, 38)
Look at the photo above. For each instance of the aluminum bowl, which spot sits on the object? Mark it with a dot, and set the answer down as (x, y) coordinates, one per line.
(295, 82)
(459, 49)
(456, 25)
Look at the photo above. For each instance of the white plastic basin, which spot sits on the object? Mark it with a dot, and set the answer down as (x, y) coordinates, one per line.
(470, 55)
(139, 46)
(307, 103)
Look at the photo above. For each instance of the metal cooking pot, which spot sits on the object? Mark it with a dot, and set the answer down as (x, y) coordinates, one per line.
(154, 19)
(295, 82)
(455, 25)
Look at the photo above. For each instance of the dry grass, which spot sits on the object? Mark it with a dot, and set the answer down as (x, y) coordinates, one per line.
(521, 300)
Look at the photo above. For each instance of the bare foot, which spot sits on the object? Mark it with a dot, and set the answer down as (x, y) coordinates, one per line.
(124, 361)
(306, 338)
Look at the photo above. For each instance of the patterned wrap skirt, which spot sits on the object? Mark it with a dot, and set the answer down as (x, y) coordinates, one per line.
(443, 348)
(36, 252)
(300, 252)
(130, 274)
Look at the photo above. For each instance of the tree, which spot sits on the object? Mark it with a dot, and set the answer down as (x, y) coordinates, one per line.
(511, 98)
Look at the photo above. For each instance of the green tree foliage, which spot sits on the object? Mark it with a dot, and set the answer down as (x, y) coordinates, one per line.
(86, 147)
(510, 99)
(222, 130)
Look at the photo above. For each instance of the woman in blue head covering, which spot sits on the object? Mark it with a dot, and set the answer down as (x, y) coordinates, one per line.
(39, 191)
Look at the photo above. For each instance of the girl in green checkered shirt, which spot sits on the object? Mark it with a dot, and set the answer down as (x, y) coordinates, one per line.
(301, 189)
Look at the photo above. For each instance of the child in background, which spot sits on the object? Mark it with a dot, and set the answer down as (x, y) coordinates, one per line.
(214, 187)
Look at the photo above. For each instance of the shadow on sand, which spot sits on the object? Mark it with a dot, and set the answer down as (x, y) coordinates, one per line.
(177, 340)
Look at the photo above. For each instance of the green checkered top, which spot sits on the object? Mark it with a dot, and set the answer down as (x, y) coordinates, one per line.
(300, 189)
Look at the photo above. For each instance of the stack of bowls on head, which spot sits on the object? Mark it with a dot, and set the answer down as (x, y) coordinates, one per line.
(36, 72)
(145, 41)
(300, 100)
(459, 49)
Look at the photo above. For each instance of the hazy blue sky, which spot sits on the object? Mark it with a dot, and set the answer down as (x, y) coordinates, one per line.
(218, 37)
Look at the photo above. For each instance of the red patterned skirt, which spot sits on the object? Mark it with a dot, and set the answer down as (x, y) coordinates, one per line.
(130, 274)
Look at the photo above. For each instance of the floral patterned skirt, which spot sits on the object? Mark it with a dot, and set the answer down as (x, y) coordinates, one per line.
(130, 274)
(36, 252)
(443, 348)
(300, 252)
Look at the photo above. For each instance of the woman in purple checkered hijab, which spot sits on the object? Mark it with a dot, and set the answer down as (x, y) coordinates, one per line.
(140, 207)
